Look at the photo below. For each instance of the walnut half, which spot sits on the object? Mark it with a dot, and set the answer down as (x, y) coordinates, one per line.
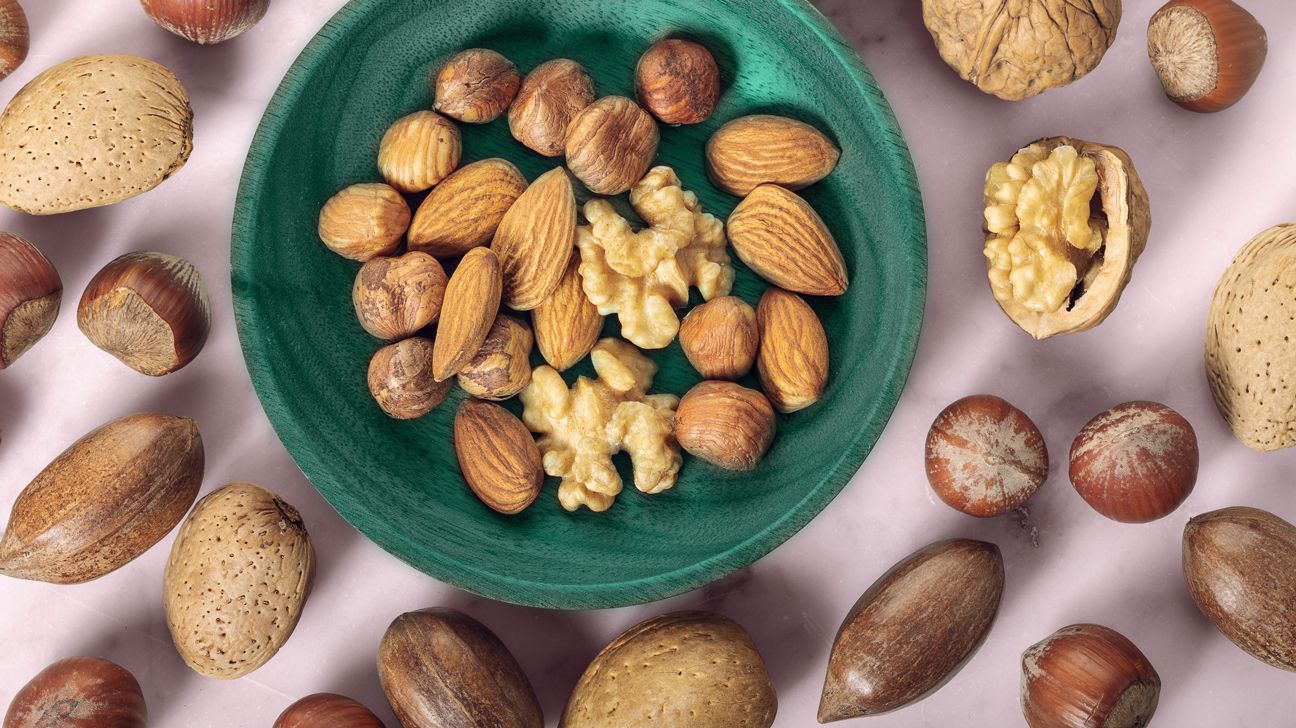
(1065, 220)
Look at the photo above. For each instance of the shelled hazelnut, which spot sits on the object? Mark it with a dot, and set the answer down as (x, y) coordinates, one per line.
(725, 424)
(678, 81)
(395, 297)
(476, 86)
(720, 338)
(611, 144)
(550, 97)
(364, 221)
(401, 381)
(418, 151)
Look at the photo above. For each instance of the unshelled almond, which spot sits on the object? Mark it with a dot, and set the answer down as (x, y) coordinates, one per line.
(534, 240)
(497, 456)
(464, 209)
(754, 150)
(793, 356)
(472, 299)
(780, 237)
(566, 324)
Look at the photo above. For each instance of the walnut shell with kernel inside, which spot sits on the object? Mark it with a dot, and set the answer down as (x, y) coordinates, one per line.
(1065, 221)
(1016, 49)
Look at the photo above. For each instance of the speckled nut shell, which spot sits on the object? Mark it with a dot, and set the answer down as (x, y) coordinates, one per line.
(984, 456)
(115, 126)
(15, 36)
(239, 574)
(395, 297)
(1251, 341)
(401, 381)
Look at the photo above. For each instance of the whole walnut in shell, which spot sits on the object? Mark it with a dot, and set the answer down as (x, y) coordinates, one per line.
(1016, 49)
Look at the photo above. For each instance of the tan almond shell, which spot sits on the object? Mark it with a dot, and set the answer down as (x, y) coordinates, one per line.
(115, 126)
(239, 574)
(105, 500)
(464, 209)
(1251, 341)
(535, 240)
(1129, 218)
(758, 149)
(695, 669)
(567, 325)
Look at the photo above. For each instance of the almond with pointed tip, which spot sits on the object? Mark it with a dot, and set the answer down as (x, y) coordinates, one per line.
(418, 151)
(1088, 676)
(913, 630)
(780, 237)
(464, 209)
(30, 294)
(472, 299)
(476, 86)
(327, 710)
(763, 149)
(793, 357)
(567, 325)
(150, 310)
(550, 97)
(1207, 53)
(534, 240)
(611, 144)
(497, 456)
(105, 500)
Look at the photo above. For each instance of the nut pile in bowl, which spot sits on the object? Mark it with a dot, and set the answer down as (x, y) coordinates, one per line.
(463, 283)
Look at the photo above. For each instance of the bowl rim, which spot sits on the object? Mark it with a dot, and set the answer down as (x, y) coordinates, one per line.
(612, 593)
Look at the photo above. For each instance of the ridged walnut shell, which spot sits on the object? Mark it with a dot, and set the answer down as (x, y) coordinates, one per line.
(79, 692)
(1016, 49)
(1251, 341)
(1124, 204)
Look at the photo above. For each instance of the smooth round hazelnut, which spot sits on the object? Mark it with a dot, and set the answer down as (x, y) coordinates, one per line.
(150, 310)
(364, 221)
(725, 424)
(984, 456)
(1088, 676)
(418, 151)
(30, 294)
(1207, 53)
(395, 297)
(327, 710)
(476, 86)
(206, 22)
(15, 36)
(401, 381)
(678, 81)
(1136, 462)
(720, 338)
(611, 144)
(502, 366)
(549, 98)
(79, 692)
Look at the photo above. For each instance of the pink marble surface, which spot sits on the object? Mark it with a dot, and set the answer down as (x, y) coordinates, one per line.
(1214, 182)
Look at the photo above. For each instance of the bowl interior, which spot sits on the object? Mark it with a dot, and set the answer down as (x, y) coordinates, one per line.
(398, 482)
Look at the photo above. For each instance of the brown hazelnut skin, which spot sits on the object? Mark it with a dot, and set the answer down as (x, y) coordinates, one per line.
(79, 692)
(150, 310)
(206, 22)
(1088, 676)
(364, 221)
(549, 98)
(725, 424)
(15, 36)
(678, 81)
(611, 144)
(1136, 462)
(401, 381)
(30, 294)
(501, 367)
(395, 297)
(476, 86)
(1207, 53)
(985, 457)
(720, 338)
(327, 710)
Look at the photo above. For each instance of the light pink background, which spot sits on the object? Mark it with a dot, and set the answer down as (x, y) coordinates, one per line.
(1214, 182)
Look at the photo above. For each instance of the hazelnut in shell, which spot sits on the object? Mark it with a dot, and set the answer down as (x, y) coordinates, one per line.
(30, 294)
(401, 381)
(1088, 676)
(984, 456)
(79, 692)
(1207, 53)
(678, 81)
(418, 151)
(15, 36)
(327, 710)
(150, 310)
(550, 97)
(1136, 462)
(725, 424)
(364, 221)
(476, 86)
(501, 367)
(206, 22)
(395, 297)
(611, 144)
(720, 338)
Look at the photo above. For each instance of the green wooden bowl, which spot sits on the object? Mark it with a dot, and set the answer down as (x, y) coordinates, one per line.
(398, 482)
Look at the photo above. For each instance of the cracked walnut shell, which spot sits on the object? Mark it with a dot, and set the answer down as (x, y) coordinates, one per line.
(1016, 49)
(582, 428)
(1065, 222)
(643, 276)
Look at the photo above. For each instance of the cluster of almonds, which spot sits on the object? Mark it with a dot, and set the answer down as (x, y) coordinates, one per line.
(511, 248)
